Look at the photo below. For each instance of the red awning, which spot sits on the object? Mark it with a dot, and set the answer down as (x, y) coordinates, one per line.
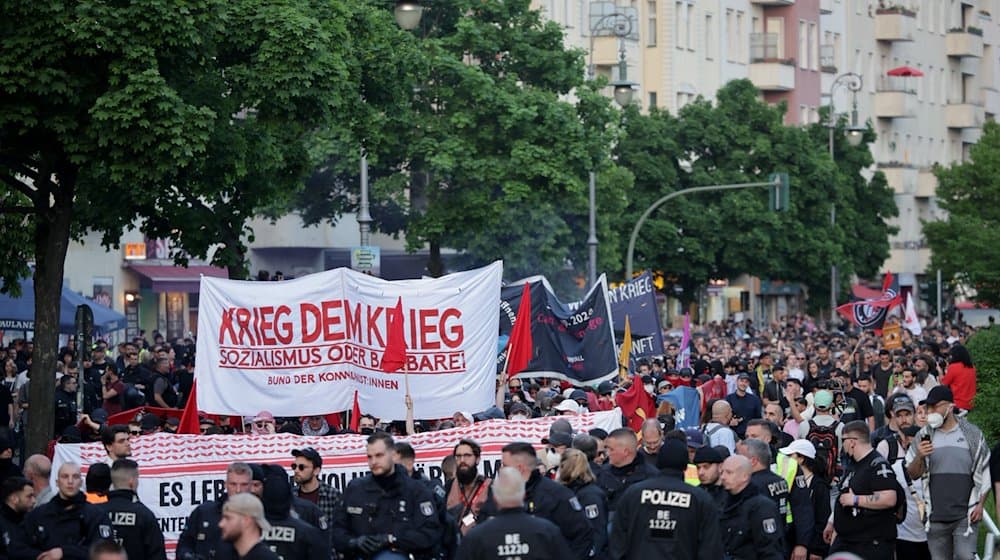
(162, 278)
(905, 71)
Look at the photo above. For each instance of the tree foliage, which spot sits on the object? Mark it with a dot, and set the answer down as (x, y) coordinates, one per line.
(740, 139)
(984, 346)
(966, 245)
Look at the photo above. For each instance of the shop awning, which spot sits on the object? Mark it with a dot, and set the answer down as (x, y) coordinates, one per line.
(162, 278)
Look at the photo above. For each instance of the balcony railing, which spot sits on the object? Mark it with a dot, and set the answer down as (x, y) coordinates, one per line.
(765, 47)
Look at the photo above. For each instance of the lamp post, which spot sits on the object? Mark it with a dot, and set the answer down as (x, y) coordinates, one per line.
(621, 27)
(855, 134)
(407, 14)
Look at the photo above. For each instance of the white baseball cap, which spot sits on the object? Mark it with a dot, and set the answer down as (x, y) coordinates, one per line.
(803, 447)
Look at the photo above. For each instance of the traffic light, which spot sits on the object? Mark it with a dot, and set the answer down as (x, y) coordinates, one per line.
(779, 197)
(84, 330)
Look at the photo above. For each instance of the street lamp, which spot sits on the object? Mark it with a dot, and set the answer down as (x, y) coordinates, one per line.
(407, 14)
(621, 27)
(855, 134)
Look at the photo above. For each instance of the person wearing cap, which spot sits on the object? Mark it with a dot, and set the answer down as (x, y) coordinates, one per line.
(911, 537)
(708, 461)
(519, 411)
(262, 424)
(290, 536)
(386, 510)
(899, 413)
(243, 525)
(664, 517)
(625, 467)
(513, 531)
(575, 473)
(201, 536)
(605, 396)
(557, 443)
(864, 515)
(61, 528)
(171, 425)
(751, 523)
(150, 423)
(568, 407)
(306, 467)
(131, 522)
(745, 405)
(303, 509)
(463, 419)
(695, 440)
(98, 483)
(952, 460)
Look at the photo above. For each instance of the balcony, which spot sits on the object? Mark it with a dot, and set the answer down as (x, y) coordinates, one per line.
(895, 24)
(964, 43)
(964, 115)
(901, 177)
(773, 75)
(826, 6)
(991, 101)
(926, 183)
(895, 103)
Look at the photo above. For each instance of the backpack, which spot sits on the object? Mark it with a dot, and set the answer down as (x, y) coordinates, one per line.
(824, 439)
(709, 433)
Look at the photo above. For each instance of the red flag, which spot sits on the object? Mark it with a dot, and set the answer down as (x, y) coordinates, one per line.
(870, 313)
(637, 405)
(190, 423)
(355, 414)
(519, 347)
(394, 357)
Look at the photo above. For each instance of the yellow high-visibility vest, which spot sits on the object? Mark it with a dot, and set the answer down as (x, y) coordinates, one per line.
(786, 468)
(691, 475)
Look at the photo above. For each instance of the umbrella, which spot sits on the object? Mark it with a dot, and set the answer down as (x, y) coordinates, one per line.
(905, 72)
(18, 314)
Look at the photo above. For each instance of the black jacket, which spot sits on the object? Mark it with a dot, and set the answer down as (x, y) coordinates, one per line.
(664, 517)
(537, 538)
(71, 524)
(201, 537)
(595, 509)
(133, 525)
(774, 487)
(751, 527)
(396, 505)
(614, 480)
(10, 520)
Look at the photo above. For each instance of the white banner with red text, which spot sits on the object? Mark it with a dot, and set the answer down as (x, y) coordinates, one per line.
(303, 346)
(179, 472)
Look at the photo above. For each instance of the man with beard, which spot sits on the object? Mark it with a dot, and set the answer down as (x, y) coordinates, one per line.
(709, 463)
(470, 490)
(18, 497)
(242, 525)
(909, 386)
(305, 471)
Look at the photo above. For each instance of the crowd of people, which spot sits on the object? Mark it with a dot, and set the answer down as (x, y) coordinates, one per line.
(808, 443)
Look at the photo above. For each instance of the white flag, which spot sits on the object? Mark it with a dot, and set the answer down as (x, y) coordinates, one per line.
(910, 319)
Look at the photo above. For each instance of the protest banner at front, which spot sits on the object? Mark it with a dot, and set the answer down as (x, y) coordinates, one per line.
(179, 472)
(303, 346)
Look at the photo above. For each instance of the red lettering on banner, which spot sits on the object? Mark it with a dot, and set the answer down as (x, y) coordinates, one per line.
(374, 327)
(307, 310)
(283, 329)
(352, 321)
(426, 328)
(243, 322)
(456, 332)
(265, 326)
(331, 320)
(227, 326)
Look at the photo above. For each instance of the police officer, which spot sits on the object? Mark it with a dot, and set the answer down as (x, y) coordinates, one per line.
(512, 532)
(18, 497)
(624, 466)
(751, 524)
(132, 523)
(301, 508)
(406, 457)
(386, 509)
(768, 483)
(288, 537)
(664, 517)
(63, 527)
(201, 537)
(548, 499)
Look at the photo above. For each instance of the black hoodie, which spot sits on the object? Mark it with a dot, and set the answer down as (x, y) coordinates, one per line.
(289, 537)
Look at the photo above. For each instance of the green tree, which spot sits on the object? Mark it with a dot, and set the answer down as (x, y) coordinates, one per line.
(493, 163)
(740, 139)
(182, 119)
(966, 245)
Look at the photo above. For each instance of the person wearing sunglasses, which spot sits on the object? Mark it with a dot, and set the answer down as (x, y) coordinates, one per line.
(305, 471)
(263, 423)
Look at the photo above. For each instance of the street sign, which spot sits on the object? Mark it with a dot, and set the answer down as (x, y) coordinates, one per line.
(367, 259)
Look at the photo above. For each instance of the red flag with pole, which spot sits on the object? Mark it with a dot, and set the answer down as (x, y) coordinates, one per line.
(519, 347)
(394, 357)
(355, 414)
(190, 423)
(637, 405)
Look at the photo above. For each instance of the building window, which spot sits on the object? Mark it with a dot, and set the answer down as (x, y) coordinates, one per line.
(803, 115)
(652, 100)
(803, 45)
(709, 38)
(740, 34)
(651, 23)
(731, 37)
(678, 24)
(813, 46)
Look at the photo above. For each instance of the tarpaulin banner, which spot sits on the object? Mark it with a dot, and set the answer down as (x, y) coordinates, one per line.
(637, 299)
(179, 472)
(574, 342)
(303, 346)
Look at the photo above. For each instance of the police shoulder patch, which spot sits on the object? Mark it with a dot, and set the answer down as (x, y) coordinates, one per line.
(575, 504)
(800, 481)
(439, 491)
(105, 531)
(770, 526)
(427, 509)
(591, 511)
(354, 510)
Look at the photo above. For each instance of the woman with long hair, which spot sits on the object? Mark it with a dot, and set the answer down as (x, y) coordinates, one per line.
(575, 474)
(961, 376)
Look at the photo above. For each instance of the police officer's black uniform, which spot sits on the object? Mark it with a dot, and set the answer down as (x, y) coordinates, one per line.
(378, 507)
(133, 525)
(290, 538)
(71, 524)
(613, 480)
(751, 527)
(595, 508)
(201, 538)
(513, 533)
(664, 517)
(774, 487)
(65, 404)
(869, 533)
(718, 494)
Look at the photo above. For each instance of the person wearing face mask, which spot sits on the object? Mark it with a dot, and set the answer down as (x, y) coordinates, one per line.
(519, 411)
(649, 384)
(951, 458)
(466, 494)
(366, 425)
(557, 443)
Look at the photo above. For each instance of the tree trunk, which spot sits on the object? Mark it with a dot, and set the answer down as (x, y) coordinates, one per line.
(435, 266)
(51, 242)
